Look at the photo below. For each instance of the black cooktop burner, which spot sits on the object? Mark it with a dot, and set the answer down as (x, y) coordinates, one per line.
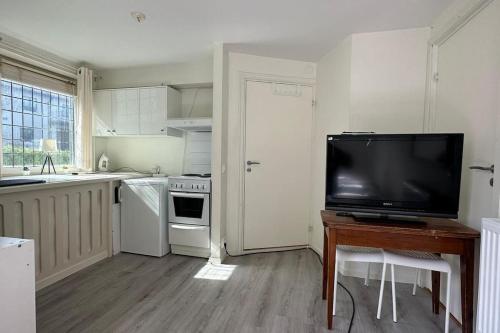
(201, 175)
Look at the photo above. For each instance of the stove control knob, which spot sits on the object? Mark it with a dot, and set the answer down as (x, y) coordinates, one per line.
(203, 187)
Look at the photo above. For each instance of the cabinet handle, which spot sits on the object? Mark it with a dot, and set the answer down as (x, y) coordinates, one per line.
(114, 131)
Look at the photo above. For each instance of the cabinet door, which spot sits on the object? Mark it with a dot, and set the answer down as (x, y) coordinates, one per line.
(125, 111)
(153, 110)
(102, 113)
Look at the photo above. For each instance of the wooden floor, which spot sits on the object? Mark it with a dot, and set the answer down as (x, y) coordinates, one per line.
(276, 292)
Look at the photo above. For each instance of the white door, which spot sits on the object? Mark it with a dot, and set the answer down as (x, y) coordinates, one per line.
(467, 102)
(153, 110)
(102, 113)
(278, 136)
(125, 111)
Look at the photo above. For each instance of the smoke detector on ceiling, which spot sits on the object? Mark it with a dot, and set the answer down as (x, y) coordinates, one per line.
(138, 16)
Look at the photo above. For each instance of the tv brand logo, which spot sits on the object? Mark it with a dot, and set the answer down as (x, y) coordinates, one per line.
(387, 204)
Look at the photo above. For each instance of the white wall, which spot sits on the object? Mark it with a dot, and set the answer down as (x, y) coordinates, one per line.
(143, 153)
(197, 102)
(169, 74)
(388, 73)
(331, 116)
(370, 82)
(219, 153)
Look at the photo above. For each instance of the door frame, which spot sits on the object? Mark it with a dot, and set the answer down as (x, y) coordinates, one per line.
(245, 77)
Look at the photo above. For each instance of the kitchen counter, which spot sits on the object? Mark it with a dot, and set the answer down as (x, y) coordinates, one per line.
(62, 180)
(69, 217)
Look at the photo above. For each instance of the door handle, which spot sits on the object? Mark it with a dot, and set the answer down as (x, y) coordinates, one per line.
(252, 163)
(477, 167)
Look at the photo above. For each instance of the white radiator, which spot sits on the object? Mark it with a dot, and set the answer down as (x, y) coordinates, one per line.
(488, 306)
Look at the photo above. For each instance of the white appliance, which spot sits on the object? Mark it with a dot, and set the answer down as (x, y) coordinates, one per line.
(189, 215)
(17, 285)
(103, 163)
(191, 124)
(488, 303)
(144, 216)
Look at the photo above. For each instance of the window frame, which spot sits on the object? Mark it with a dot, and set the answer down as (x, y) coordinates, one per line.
(68, 117)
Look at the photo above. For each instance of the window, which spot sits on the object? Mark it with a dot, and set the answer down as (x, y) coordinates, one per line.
(30, 114)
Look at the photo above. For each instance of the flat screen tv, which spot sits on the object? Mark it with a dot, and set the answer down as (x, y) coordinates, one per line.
(394, 174)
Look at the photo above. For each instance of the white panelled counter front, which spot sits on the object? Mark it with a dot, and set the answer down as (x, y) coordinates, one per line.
(69, 217)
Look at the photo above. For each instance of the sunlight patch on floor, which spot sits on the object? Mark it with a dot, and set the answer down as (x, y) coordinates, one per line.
(219, 272)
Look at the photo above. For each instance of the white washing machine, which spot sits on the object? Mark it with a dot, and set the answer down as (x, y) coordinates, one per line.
(144, 216)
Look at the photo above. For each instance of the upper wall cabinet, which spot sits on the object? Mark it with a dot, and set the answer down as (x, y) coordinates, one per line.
(135, 111)
(157, 104)
(125, 111)
(103, 124)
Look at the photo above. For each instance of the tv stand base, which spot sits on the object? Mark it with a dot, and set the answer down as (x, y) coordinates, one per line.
(367, 217)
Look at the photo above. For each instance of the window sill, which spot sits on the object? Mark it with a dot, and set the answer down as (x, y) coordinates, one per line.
(10, 172)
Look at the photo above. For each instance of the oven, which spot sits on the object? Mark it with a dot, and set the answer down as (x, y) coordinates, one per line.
(189, 208)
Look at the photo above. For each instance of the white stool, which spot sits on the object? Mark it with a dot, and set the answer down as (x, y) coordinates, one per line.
(419, 260)
(356, 254)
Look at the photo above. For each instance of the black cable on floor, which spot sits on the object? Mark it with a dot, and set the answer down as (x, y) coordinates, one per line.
(320, 261)
(348, 292)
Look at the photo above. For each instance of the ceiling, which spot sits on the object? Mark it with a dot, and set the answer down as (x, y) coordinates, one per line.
(104, 35)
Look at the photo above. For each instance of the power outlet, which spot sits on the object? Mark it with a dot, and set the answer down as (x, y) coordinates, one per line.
(310, 228)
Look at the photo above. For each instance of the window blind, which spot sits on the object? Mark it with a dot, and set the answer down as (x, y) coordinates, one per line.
(24, 73)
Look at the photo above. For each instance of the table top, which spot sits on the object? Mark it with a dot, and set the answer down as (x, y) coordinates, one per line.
(425, 226)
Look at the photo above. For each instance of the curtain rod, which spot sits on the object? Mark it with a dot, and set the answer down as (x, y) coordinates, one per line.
(32, 69)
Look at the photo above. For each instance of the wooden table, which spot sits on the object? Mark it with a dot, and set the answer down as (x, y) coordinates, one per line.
(428, 235)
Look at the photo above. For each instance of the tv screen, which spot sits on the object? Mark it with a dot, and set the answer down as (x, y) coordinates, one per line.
(394, 174)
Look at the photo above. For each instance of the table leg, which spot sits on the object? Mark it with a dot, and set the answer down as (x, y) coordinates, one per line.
(325, 262)
(332, 252)
(467, 285)
(436, 287)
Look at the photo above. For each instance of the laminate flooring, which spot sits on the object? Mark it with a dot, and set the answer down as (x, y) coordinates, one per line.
(273, 292)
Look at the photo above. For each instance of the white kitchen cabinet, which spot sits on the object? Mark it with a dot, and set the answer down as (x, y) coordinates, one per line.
(135, 111)
(103, 124)
(125, 111)
(153, 110)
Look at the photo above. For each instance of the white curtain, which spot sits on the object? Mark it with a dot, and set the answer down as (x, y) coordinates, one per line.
(83, 120)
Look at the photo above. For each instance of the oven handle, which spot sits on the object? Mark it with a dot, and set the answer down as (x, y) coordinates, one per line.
(187, 195)
(187, 227)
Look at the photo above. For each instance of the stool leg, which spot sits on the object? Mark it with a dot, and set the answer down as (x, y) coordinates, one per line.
(367, 278)
(335, 286)
(447, 313)
(393, 283)
(417, 277)
(381, 293)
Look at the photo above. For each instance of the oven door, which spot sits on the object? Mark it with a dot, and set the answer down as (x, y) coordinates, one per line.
(189, 208)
